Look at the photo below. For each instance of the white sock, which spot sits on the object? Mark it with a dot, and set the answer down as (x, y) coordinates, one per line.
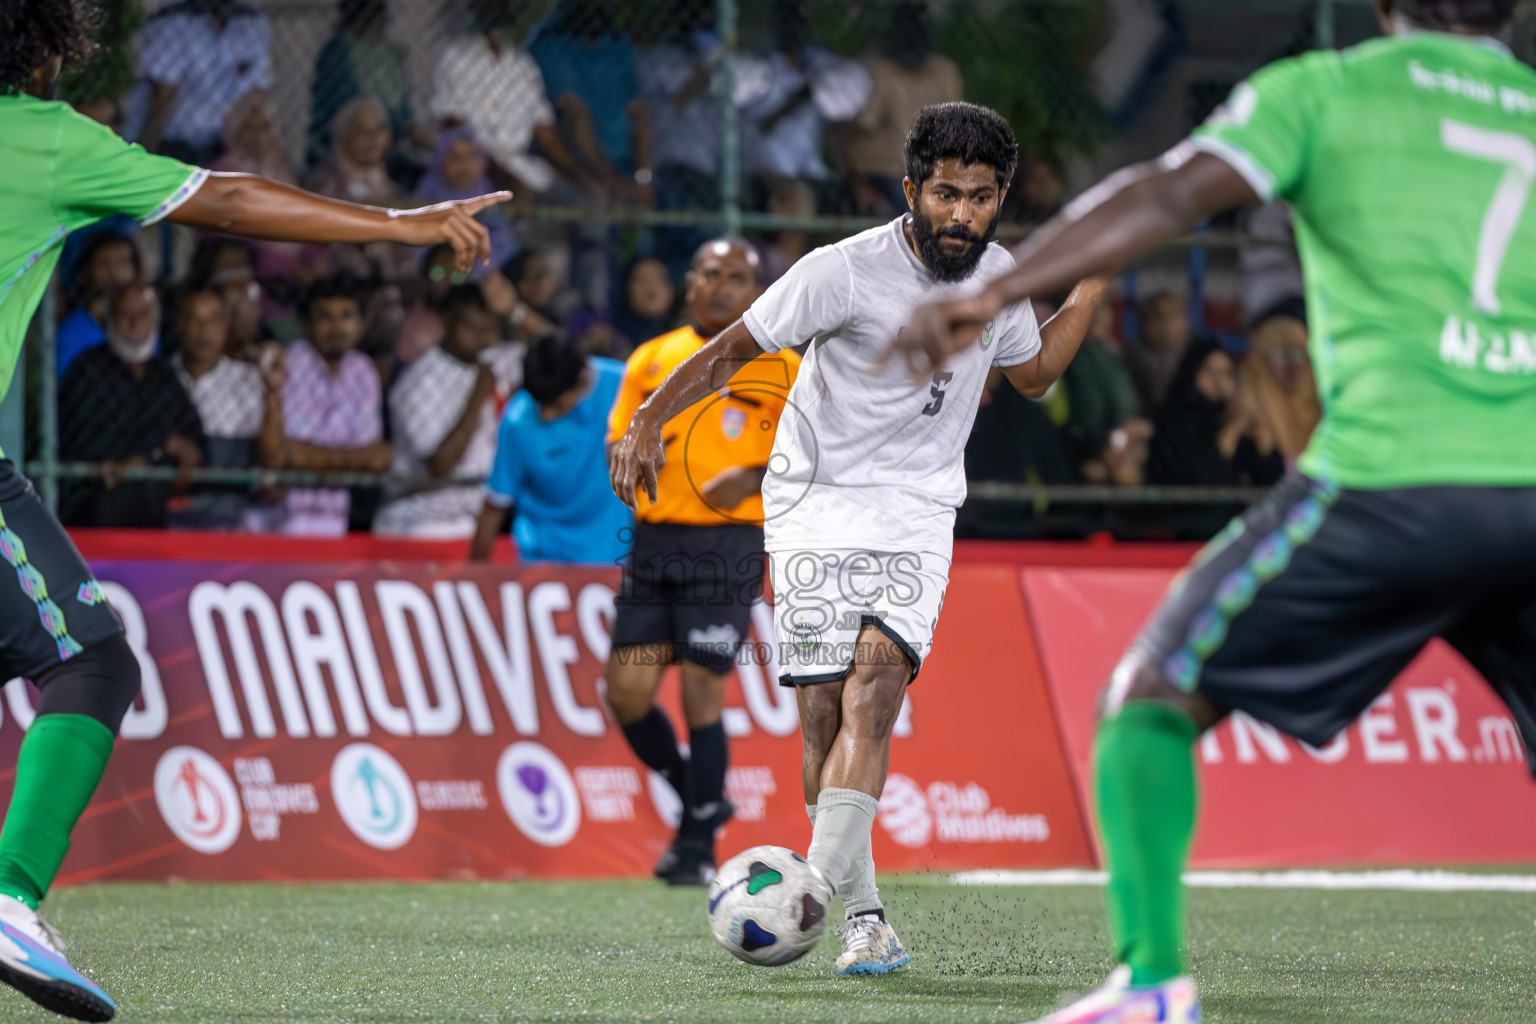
(859, 894)
(858, 890)
(844, 819)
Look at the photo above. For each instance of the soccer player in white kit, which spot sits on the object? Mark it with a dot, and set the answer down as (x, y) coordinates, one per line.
(867, 469)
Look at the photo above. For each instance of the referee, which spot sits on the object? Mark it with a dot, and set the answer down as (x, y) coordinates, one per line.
(697, 563)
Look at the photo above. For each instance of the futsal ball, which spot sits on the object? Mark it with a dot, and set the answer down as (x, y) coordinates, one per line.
(768, 905)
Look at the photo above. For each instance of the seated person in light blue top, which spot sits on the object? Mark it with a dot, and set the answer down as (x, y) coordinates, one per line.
(551, 468)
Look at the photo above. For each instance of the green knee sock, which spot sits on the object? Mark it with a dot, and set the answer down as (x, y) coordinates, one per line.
(1144, 785)
(61, 761)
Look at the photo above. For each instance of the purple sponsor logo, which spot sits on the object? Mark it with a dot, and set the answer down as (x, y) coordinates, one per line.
(538, 794)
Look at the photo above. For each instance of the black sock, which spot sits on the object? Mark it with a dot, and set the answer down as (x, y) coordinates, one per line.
(654, 742)
(707, 760)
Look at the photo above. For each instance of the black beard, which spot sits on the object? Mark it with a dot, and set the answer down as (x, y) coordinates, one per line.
(944, 266)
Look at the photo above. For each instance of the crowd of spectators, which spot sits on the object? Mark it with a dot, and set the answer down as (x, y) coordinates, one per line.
(188, 352)
(1173, 407)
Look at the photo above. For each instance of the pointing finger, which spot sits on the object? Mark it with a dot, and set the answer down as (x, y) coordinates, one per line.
(475, 205)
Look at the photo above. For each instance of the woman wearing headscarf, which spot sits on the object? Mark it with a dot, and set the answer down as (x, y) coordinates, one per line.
(1278, 394)
(647, 307)
(1201, 435)
(355, 170)
(1200, 438)
(460, 170)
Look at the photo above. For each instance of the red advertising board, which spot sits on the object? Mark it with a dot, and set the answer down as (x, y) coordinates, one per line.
(411, 720)
(1433, 773)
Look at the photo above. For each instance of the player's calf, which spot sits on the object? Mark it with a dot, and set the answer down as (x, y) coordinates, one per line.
(821, 715)
(59, 766)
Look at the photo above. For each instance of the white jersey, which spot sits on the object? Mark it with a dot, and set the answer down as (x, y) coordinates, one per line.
(865, 458)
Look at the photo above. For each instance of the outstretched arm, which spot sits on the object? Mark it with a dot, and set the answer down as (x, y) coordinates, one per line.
(636, 458)
(243, 204)
(1128, 216)
(1060, 337)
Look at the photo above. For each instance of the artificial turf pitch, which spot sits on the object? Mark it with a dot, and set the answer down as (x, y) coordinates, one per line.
(627, 951)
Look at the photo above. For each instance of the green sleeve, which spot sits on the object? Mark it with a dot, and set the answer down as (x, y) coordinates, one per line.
(98, 174)
(1265, 129)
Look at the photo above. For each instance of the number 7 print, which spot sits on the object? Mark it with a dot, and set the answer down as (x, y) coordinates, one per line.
(1518, 155)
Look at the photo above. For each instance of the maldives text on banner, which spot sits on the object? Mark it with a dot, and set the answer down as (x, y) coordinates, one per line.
(408, 720)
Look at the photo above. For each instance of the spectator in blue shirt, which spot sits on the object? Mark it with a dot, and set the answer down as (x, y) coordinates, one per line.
(589, 73)
(108, 261)
(551, 468)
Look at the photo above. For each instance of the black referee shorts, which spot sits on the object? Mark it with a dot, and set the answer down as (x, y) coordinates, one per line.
(1308, 605)
(51, 607)
(691, 587)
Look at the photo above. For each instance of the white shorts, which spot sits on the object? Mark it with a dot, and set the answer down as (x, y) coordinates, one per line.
(823, 598)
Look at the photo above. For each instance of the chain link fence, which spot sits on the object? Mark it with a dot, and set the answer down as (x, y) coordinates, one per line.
(309, 389)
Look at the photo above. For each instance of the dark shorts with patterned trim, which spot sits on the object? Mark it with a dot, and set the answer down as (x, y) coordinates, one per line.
(1308, 605)
(51, 607)
(690, 588)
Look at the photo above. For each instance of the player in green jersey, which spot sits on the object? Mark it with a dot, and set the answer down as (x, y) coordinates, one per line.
(63, 171)
(1409, 162)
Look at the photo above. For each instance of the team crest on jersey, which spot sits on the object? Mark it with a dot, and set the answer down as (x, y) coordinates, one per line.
(986, 335)
(733, 422)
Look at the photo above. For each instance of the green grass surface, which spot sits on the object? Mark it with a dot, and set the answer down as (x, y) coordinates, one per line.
(625, 951)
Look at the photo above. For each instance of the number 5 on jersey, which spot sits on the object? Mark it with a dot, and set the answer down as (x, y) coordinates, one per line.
(937, 391)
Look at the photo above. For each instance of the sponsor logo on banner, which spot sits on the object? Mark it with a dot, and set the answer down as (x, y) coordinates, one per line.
(538, 793)
(197, 799)
(1412, 725)
(374, 796)
(669, 807)
(452, 795)
(337, 709)
(748, 788)
(951, 813)
(266, 801)
(608, 794)
(904, 812)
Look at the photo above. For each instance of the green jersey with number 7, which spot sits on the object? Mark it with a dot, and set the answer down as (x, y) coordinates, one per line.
(1409, 162)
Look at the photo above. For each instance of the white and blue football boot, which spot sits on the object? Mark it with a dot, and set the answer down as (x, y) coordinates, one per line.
(32, 962)
(870, 946)
(1172, 1002)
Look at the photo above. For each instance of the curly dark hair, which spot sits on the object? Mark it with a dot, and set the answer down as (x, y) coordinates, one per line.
(32, 31)
(971, 133)
(1483, 15)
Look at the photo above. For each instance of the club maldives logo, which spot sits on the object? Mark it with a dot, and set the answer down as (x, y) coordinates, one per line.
(904, 812)
(197, 799)
(374, 796)
(538, 793)
(952, 812)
